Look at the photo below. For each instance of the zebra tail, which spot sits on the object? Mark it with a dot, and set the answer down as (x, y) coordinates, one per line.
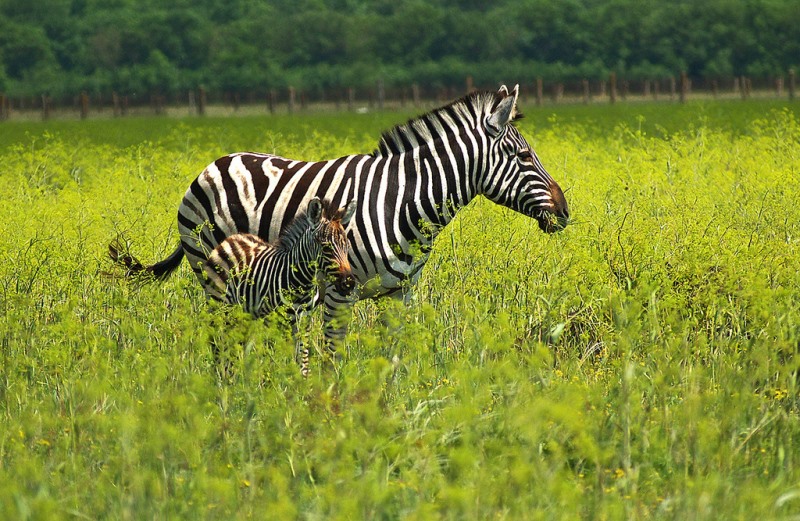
(136, 270)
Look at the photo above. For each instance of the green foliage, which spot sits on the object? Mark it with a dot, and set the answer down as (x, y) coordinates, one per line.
(137, 48)
(641, 364)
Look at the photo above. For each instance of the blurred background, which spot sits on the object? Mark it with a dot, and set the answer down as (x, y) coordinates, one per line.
(286, 52)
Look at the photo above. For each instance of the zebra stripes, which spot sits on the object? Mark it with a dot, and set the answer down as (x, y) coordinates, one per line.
(407, 190)
(261, 277)
(244, 269)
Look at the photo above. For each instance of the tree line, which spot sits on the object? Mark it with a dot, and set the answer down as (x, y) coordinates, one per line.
(138, 47)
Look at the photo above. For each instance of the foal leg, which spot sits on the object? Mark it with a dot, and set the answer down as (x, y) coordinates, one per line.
(222, 357)
(301, 353)
(337, 312)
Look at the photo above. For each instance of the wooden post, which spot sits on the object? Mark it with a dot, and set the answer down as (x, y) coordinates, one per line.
(201, 101)
(791, 84)
(381, 93)
(3, 111)
(115, 104)
(626, 86)
(586, 92)
(84, 105)
(539, 92)
(612, 87)
(656, 88)
(715, 88)
(45, 107)
(684, 87)
(415, 94)
(291, 100)
(646, 89)
(779, 87)
(272, 98)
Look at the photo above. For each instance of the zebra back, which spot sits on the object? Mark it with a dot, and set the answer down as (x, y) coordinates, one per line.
(232, 259)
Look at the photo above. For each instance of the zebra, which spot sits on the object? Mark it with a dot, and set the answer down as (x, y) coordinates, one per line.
(407, 191)
(245, 269)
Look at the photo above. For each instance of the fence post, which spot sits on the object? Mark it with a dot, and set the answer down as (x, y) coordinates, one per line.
(45, 107)
(381, 93)
(84, 105)
(3, 112)
(779, 87)
(612, 87)
(539, 92)
(684, 86)
(791, 85)
(271, 99)
(586, 92)
(201, 101)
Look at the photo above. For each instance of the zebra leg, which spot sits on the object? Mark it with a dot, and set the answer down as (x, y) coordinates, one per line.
(301, 354)
(222, 357)
(338, 311)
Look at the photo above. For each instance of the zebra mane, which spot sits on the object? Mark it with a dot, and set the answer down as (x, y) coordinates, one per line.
(415, 132)
(300, 225)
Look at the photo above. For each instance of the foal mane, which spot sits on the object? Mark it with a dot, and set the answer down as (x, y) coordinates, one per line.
(300, 225)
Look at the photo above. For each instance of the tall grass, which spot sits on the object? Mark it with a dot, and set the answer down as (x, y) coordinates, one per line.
(641, 364)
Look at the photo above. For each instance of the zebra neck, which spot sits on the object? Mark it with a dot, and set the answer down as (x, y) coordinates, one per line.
(445, 183)
(302, 256)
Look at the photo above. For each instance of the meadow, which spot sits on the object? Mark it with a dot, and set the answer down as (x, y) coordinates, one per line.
(642, 364)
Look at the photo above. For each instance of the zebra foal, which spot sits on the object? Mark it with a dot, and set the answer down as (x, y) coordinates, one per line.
(262, 277)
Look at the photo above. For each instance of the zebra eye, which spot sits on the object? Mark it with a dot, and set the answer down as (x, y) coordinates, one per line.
(525, 156)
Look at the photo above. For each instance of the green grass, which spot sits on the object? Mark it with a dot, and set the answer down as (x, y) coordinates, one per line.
(641, 364)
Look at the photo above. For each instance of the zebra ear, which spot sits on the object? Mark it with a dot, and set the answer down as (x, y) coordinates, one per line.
(504, 111)
(349, 210)
(314, 212)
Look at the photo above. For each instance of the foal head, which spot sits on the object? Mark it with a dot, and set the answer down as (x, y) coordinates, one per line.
(330, 233)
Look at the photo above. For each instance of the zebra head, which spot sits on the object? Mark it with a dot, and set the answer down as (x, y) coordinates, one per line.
(515, 178)
(331, 235)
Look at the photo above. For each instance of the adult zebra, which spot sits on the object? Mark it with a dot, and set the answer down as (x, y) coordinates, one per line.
(408, 189)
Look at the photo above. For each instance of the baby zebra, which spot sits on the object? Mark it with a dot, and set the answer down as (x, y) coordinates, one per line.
(262, 277)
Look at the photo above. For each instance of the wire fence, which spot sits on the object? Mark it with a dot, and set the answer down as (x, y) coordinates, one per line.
(199, 102)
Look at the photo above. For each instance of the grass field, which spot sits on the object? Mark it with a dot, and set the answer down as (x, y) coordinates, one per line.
(642, 364)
